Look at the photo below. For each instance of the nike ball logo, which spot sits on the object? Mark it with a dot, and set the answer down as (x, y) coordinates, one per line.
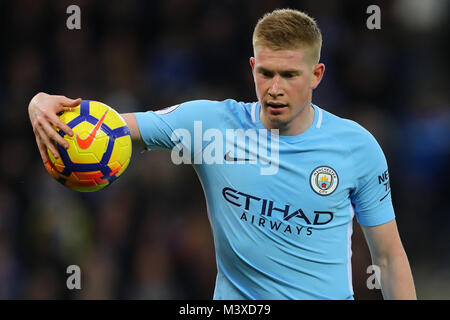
(85, 143)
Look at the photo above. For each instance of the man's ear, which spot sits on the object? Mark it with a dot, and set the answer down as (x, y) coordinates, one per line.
(318, 71)
(252, 63)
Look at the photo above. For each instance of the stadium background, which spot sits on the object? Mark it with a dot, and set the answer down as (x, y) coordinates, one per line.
(147, 236)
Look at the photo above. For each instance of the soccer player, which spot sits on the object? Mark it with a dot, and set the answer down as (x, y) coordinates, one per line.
(283, 233)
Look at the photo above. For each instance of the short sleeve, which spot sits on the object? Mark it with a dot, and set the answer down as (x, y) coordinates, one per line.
(164, 129)
(371, 197)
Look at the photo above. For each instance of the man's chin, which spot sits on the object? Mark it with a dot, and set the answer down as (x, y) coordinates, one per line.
(276, 121)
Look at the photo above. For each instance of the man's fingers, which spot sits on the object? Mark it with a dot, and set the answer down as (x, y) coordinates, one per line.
(49, 137)
(42, 150)
(57, 122)
(70, 103)
(54, 135)
(43, 110)
(45, 141)
(68, 108)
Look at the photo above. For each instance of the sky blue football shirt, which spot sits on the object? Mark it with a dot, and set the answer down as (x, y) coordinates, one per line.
(280, 207)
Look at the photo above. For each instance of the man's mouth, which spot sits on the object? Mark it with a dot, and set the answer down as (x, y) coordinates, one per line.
(275, 106)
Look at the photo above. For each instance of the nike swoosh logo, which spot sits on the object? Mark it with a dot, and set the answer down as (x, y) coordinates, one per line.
(85, 143)
(227, 157)
(385, 196)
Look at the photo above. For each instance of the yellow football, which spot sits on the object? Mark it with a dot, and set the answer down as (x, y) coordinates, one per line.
(99, 151)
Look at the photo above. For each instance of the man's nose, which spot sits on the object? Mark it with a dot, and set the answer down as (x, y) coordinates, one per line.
(274, 89)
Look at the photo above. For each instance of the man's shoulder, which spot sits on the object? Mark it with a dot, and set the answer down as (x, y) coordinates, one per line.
(227, 105)
(334, 122)
(231, 103)
(239, 113)
(343, 127)
(347, 132)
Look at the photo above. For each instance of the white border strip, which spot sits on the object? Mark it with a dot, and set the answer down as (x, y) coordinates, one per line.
(319, 121)
(349, 250)
(254, 112)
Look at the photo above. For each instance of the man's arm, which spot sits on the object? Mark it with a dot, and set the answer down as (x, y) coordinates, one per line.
(130, 119)
(387, 253)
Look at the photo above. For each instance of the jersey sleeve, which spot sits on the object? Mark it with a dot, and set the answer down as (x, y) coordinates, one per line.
(174, 127)
(371, 197)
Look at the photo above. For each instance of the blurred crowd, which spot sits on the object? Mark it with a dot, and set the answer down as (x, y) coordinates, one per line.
(147, 236)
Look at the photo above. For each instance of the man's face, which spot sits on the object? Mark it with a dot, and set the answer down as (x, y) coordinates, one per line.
(284, 80)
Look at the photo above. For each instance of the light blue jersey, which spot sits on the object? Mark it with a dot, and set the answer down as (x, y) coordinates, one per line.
(280, 207)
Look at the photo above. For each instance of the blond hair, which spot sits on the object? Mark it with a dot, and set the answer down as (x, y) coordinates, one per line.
(286, 29)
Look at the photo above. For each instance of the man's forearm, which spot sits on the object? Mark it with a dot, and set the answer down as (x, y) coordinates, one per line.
(396, 279)
(131, 121)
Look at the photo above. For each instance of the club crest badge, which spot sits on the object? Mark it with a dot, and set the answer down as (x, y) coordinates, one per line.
(324, 180)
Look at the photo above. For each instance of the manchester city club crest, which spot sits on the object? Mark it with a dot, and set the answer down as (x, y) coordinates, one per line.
(324, 180)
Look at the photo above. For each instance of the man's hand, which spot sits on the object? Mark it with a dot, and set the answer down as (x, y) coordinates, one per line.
(43, 111)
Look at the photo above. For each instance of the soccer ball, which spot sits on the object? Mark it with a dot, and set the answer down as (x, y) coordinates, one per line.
(99, 151)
